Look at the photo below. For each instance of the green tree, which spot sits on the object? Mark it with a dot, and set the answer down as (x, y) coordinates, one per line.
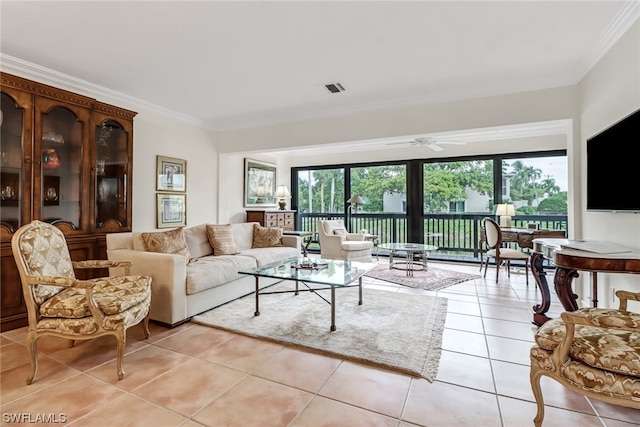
(556, 204)
(523, 182)
(373, 182)
(447, 182)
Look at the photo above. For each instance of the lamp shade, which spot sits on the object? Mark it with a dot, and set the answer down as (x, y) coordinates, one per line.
(505, 209)
(282, 191)
(356, 200)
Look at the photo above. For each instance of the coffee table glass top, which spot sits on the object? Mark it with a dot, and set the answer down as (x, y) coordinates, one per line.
(336, 273)
(409, 247)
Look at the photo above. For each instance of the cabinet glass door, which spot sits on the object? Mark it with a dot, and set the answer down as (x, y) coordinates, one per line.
(112, 146)
(61, 166)
(12, 174)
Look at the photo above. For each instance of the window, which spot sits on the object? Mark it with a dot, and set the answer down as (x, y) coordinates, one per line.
(456, 206)
(383, 188)
(460, 186)
(536, 185)
(321, 190)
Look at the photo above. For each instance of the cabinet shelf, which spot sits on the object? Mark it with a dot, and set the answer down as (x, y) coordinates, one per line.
(58, 127)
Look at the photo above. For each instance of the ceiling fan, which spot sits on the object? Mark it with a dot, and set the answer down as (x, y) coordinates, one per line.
(429, 142)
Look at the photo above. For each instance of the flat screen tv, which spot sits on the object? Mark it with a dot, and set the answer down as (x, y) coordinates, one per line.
(613, 167)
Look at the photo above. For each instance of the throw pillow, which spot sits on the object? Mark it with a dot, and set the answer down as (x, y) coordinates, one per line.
(339, 231)
(167, 242)
(264, 237)
(221, 239)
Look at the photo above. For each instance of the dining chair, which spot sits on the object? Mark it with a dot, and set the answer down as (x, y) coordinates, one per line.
(493, 240)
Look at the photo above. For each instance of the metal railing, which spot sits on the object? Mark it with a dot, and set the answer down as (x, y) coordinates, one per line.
(458, 236)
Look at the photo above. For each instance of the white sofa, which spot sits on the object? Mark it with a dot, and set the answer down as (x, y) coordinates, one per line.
(181, 289)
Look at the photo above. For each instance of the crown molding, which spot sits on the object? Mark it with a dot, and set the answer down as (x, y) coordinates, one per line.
(31, 71)
(628, 15)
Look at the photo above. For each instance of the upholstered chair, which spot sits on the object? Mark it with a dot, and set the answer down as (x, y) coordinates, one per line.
(337, 243)
(60, 305)
(493, 240)
(593, 351)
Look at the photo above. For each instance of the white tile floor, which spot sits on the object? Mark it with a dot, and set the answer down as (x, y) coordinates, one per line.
(194, 376)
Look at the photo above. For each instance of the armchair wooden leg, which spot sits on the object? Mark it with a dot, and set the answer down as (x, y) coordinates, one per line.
(121, 337)
(534, 378)
(145, 325)
(32, 339)
(498, 262)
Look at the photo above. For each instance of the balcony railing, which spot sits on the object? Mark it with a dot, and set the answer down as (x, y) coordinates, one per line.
(458, 236)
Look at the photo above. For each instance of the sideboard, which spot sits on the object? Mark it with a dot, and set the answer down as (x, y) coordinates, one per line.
(284, 219)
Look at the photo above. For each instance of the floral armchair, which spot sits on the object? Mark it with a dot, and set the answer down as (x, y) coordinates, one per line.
(592, 351)
(60, 305)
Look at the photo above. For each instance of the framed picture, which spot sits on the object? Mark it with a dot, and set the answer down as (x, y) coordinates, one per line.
(172, 210)
(259, 184)
(172, 174)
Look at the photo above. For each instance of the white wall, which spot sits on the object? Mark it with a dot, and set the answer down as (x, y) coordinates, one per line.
(609, 92)
(155, 135)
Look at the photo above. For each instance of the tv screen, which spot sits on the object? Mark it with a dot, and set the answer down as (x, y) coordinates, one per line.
(613, 167)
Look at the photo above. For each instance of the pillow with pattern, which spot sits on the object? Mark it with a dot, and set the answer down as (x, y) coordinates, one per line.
(221, 239)
(167, 242)
(264, 237)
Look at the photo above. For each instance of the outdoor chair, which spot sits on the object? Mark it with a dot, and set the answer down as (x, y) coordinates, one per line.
(62, 306)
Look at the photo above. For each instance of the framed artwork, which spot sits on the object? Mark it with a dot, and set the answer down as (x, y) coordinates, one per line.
(171, 210)
(259, 184)
(171, 173)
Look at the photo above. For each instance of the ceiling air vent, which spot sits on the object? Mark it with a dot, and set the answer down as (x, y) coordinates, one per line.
(334, 87)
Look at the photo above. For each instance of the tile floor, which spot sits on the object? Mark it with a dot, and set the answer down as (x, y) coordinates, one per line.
(194, 375)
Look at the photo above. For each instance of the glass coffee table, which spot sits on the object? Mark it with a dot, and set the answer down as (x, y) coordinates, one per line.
(410, 250)
(315, 275)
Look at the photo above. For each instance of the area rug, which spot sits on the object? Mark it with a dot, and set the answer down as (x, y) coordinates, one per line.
(391, 330)
(433, 279)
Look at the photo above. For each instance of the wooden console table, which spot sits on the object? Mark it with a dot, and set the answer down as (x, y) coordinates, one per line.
(568, 262)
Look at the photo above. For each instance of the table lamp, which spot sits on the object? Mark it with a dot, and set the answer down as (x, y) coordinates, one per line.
(355, 201)
(282, 193)
(505, 211)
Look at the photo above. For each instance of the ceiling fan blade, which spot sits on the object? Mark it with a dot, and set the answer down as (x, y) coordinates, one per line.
(451, 142)
(401, 143)
(434, 147)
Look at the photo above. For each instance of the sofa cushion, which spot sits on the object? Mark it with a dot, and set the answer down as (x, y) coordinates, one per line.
(221, 239)
(168, 242)
(356, 245)
(213, 271)
(264, 256)
(198, 241)
(243, 234)
(264, 237)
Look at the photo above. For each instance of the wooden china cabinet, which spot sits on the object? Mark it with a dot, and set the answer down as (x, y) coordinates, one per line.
(65, 159)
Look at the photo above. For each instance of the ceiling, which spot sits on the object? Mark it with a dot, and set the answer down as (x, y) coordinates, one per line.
(236, 64)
